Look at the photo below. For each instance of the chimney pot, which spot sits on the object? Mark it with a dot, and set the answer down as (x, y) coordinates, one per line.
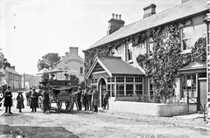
(116, 16)
(120, 17)
(112, 15)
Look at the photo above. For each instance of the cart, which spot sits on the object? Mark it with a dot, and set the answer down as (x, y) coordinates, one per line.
(62, 91)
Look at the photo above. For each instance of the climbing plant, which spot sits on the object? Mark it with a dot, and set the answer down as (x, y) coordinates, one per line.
(162, 67)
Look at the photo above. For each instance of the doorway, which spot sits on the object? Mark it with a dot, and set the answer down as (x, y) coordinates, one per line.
(202, 94)
(101, 88)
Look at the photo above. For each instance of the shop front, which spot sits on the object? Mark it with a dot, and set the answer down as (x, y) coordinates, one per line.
(193, 86)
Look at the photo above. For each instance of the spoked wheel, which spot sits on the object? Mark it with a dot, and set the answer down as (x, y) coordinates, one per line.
(59, 105)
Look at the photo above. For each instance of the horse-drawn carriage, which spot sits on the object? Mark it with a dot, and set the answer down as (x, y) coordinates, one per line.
(61, 91)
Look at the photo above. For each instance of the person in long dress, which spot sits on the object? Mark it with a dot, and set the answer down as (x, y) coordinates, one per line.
(34, 100)
(20, 101)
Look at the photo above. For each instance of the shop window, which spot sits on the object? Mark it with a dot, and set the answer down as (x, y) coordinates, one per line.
(139, 89)
(186, 37)
(120, 90)
(129, 79)
(188, 86)
(129, 90)
(119, 79)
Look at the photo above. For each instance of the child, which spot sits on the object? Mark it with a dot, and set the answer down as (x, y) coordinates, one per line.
(20, 101)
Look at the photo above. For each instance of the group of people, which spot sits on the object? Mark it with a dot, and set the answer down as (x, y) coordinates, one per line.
(38, 99)
(89, 98)
(6, 98)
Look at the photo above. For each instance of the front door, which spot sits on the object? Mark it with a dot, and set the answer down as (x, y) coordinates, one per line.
(101, 88)
(202, 94)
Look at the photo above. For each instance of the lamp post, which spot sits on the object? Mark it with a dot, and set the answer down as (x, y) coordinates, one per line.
(207, 21)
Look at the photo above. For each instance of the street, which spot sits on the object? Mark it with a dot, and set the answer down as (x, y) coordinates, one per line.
(86, 124)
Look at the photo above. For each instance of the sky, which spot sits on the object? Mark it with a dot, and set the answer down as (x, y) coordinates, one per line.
(30, 29)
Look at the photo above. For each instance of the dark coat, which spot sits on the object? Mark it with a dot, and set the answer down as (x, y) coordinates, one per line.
(46, 100)
(34, 100)
(20, 101)
(95, 98)
(8, 98)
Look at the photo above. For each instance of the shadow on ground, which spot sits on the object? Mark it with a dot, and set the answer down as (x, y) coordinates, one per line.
(35, 132)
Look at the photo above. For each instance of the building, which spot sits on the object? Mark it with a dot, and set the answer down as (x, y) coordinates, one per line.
(72, 63)
(117, 75)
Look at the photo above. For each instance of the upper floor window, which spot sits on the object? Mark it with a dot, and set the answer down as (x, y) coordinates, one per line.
(186, 37)
(81, 70)
(150, 47)
(129, 52)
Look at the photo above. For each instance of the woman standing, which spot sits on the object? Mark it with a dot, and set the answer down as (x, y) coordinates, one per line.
(20, 101)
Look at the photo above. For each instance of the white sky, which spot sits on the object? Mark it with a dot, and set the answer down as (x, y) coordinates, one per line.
(44, 26)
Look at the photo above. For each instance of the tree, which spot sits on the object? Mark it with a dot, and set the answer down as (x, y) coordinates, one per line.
(48, 61)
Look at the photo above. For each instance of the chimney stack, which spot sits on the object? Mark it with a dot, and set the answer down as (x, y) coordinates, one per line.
(149, 10)
(67, 54)
(73, 51)
(13, 67)
(115, 23)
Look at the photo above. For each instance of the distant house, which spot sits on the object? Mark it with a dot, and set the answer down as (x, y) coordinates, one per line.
(72, 64)
(123, 77)
(13, 78)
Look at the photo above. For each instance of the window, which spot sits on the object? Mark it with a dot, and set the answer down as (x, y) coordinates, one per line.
(120, 90)
(139, 89)
(81, 70)
(129, 90)
(188, 85)
(110, 89)
(186, 37)
(129, 79)
(150, 46)
(120, 79)
(138, 79)
(129, 52)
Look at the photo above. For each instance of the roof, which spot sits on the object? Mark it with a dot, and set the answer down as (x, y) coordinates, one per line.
(114, 66)
(178, 12)
(12, 71)
(194, 66)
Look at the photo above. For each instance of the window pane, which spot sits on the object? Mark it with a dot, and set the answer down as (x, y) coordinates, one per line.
(187, 33)
(139, 89)
(129, 79)
(129, 90)
(120, 90)
(120, 79)
(138, 79)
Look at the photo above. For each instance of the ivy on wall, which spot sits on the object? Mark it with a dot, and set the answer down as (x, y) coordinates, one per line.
(162, 67)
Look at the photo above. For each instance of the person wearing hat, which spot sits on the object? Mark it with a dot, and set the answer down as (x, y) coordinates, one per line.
(34, 100)
(8, 100)
(20, 101)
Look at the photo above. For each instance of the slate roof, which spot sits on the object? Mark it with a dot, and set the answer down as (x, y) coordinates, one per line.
(115, 66)
(178, 12)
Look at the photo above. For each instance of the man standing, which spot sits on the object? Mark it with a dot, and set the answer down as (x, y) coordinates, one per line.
(8, 100)
(34, 100)
(46, 100)
(79, 97)
(95, 99)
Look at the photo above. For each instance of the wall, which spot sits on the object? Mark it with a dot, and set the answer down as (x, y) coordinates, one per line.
(162, 110)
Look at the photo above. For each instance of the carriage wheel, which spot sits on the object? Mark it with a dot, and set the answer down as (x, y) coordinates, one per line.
(59, 105)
